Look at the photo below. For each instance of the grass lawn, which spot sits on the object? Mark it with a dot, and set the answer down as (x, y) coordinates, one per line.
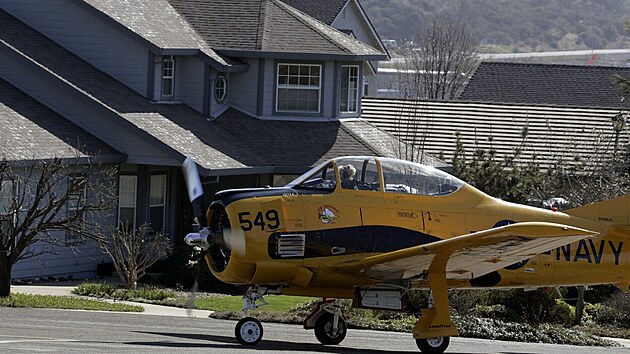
(277, 303)
(64, 302)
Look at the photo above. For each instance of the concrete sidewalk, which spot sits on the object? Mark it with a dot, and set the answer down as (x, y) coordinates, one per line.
(65, 289)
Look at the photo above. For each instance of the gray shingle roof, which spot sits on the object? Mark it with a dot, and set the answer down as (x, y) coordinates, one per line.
(244, 25)
(324, 10)
(553, 132)
(232, 141)
(265, 25)
(546, 84)
(157, 22)
(31, 131)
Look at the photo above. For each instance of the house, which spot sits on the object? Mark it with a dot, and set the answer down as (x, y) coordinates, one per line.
(546, 84)
(566, 111)
(543, 134)
(255, 92)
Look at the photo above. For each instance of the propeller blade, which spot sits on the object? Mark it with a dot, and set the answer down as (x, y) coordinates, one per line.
(193, 292)
(195, 191)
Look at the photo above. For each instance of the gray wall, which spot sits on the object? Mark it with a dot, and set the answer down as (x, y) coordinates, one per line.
(243, 88)
(79, 108)
(61, 261)
(86, 36)
(351, 18)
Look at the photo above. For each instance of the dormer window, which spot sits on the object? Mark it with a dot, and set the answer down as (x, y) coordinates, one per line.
(220, 89)
(168, 76)
(349, 100)
(298, 88)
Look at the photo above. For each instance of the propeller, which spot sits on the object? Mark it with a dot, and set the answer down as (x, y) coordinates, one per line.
(196, 197)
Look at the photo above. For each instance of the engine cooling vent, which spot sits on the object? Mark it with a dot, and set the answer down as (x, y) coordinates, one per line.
(291, 245)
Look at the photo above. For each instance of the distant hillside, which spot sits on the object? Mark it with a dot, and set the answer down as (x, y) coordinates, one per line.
(512, 25)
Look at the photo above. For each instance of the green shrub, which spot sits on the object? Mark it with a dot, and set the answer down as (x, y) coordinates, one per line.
(94, 289)
(465, 301)
(607, 315)
(149, 293)
(535, 306)
(414, 301)
(495, 312)
(485, 328)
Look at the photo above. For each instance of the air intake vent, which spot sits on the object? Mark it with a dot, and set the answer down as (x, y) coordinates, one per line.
(291, 245)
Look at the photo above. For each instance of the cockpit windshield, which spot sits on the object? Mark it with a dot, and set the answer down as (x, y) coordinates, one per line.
(321, 177)
(412, 178)
(361, 173)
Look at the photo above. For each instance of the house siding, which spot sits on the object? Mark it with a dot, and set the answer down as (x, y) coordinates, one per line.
(60, 261)
(243, 88)
(189, 81)
(79, 108)
(351, 18)
(88, 37)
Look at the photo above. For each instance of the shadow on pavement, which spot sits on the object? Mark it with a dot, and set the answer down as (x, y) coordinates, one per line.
(213, 341)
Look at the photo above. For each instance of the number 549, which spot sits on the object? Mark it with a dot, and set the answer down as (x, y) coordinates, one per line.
(269, 220)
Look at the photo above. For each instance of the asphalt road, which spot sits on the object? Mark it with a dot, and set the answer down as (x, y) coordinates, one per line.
(41, 331)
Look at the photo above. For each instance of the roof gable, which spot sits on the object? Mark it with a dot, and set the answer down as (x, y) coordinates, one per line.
(264, 26)
(323, 10)
(31, 131)
(548, 84)
(157, 23)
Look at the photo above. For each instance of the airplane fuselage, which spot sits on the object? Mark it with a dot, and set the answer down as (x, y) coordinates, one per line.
(351, 224)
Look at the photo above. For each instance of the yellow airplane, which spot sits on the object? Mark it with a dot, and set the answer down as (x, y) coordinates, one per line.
(372, 228)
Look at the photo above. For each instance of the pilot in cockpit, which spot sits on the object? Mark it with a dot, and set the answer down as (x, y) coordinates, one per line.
(347, 174)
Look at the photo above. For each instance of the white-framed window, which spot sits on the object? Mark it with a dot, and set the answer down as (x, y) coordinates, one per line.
(168, 76)
(76, 202)
(220, 88)
(349, 100)
(298, 88)
(157, 202)
(127, 192)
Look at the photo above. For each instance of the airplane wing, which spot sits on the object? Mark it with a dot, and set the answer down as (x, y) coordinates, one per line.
(471, 255)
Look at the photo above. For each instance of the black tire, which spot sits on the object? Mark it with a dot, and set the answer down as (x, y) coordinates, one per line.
(323, 329)
(435, 345)
(248, 331)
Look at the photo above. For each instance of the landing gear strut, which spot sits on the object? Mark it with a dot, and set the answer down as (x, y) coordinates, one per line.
(328, 322)
(249, 331)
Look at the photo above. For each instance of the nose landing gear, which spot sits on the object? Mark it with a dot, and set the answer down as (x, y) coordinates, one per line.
(249, 331)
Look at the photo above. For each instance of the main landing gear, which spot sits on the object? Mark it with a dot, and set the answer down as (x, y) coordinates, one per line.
(328, 322)
(327, 319)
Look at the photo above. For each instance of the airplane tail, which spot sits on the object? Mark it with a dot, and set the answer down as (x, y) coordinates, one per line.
(614, 211)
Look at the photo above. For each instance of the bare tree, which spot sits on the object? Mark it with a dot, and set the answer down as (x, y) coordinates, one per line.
(50, 203)
(413, 127)
(134, 251)
(442, 63)
(437, 69)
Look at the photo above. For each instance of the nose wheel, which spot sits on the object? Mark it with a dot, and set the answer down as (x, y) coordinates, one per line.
(248, 331)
